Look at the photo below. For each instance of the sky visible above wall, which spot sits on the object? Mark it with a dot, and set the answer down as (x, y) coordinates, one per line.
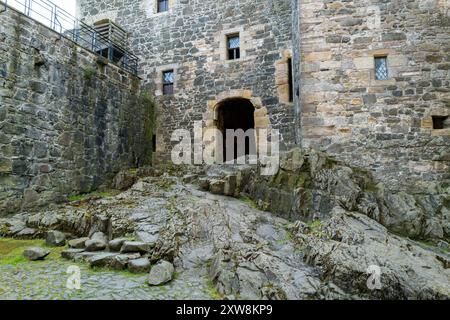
(43, 11)
(67, 5)
(39, 5)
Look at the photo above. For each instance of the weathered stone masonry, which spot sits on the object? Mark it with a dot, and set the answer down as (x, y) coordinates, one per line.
(385, 126)
(190, 39)
(67, 119)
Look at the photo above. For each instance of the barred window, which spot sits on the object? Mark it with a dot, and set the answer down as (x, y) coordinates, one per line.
(381, 68)
(233, 45)
(168, 82)
(163, 5)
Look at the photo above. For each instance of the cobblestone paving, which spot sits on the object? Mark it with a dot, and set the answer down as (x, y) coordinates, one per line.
(46, 280)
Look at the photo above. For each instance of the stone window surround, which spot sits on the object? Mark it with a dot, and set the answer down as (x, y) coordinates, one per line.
(367, 62)
(159, 79)
(427, 121)
(282, 77)
(151, 7)
(261, 116)
(223, 43)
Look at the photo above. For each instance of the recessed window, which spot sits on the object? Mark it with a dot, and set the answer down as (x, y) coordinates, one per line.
(381, 68)
(163, 5)
(234, 47)
(168, 81)
(440, 122)
(154, 143)
(291, 80)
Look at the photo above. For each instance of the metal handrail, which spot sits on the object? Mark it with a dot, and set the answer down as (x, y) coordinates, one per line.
(62, 22)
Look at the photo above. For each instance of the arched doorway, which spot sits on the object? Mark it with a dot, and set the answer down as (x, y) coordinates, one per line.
(236, 114)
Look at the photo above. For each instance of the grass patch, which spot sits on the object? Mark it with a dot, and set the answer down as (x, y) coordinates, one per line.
(133, 171)
(314, 225)
(250, 202)
(215, 295)
(287, 239)
(11, 251)
(433, 246)
(88, 196)
(165, 184)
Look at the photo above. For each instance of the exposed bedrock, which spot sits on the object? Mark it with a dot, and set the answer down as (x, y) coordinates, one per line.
(310, 184)
(250, 253)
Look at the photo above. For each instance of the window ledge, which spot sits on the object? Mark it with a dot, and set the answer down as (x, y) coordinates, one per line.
(381, 83)
(440, 132)
(234, 61)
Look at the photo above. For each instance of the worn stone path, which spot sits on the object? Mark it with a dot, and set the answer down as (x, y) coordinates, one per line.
(46, 280)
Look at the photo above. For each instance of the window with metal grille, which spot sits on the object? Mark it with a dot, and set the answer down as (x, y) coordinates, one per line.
(233, 45)
(163, 5)
(381, 68)
(168, 81)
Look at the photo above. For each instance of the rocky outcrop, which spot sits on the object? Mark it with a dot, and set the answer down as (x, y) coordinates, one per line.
(255, 254)
(348, 245)
(309, 185)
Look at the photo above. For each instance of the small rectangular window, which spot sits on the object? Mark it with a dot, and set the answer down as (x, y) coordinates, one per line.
(168, 82)
(381, 68)
(233, 46)
(291, 80)
(163, 5)
(154, 143)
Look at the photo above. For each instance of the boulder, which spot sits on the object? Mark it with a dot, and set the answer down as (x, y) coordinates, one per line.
(70, 254)
(94, 245)
(124, 180)
(116, 244)
(112, 260)
(27, 233)
(139, 265)
(79, 243)
(120, 261)
(35, 253)
(99, 236)
(161, 273)
(55, 239)
(134, 246)
(102, 260)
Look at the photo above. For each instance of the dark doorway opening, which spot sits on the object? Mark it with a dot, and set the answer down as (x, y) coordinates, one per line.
(235, 114)
(440, 122)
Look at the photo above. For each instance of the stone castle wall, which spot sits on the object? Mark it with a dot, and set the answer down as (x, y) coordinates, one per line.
(190, 39)
(385, 126)
(67, 119)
